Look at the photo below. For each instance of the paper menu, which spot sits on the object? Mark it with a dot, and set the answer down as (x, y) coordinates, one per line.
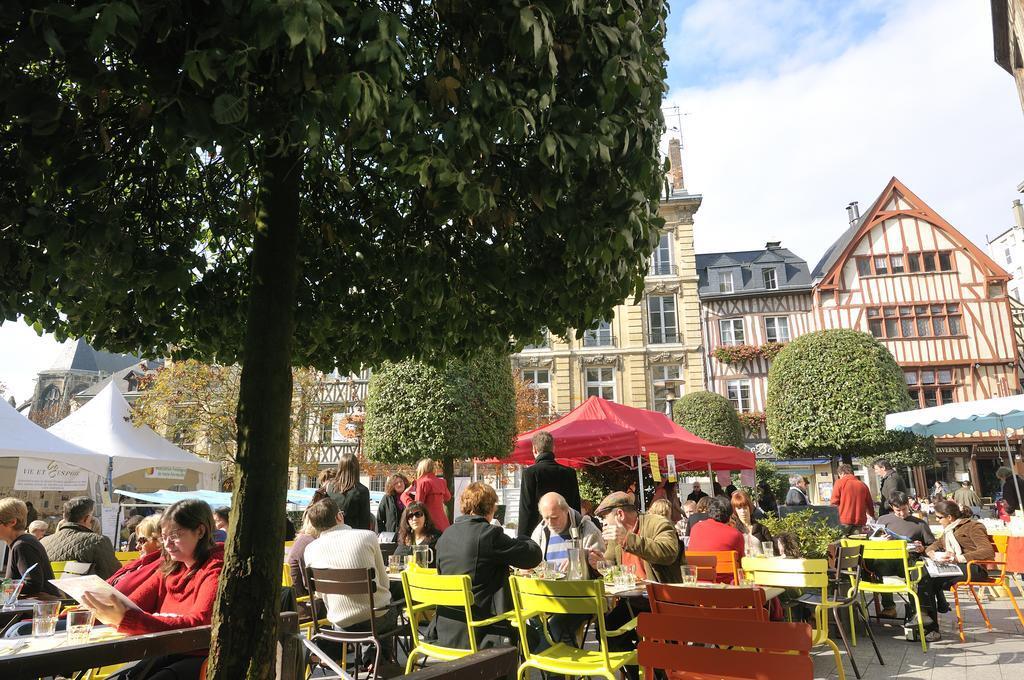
(76, 586)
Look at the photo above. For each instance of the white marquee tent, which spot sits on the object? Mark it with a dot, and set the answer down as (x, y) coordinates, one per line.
(104, 424)
(21, 438)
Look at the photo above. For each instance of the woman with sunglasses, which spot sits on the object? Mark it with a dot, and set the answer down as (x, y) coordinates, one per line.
(416, 528)
(135, 573)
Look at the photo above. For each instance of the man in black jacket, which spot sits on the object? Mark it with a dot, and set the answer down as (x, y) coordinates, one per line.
(544, 476)
(889, 483)
(1011, 494)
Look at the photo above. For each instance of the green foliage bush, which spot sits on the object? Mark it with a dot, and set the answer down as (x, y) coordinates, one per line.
(829, 393)
(767, 471)
(813, 535)
(457, 409)
(710, 416)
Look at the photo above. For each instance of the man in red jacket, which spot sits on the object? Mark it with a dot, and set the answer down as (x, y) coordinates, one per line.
(853, 497)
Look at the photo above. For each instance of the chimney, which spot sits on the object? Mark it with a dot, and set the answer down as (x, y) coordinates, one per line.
(773, 245)
(1018, 213)
(853, 212)
(675, 158)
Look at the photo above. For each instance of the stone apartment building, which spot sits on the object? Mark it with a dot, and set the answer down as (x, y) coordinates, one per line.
(644, 355)
(1008, 39)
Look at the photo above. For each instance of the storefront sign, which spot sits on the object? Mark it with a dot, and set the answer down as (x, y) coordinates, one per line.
(655, 468)
(35, 474)
(165, 473)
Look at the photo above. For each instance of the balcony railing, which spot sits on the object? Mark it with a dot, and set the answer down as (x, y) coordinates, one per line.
(662, 269)
(663, 337)
(544, 344)
(598, 339)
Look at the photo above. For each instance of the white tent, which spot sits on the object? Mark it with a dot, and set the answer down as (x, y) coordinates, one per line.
(104, 424)
(965, 417)
(21, 438)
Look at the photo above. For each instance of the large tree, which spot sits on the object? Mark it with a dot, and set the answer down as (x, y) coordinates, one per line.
(710, 416)
(829, 393)
(320, 183)
(456, 409)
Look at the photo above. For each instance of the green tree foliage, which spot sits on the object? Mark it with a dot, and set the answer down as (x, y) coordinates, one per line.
(452, 410)
(321, 183)
(812, 535)
(710, 416)
(768, 472)
(829, 393)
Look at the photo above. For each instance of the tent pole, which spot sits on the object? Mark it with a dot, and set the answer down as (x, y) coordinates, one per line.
(711, 480)
(640, 483)
(1013, 466)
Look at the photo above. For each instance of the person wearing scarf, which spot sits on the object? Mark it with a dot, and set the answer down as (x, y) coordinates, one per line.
(963, 540)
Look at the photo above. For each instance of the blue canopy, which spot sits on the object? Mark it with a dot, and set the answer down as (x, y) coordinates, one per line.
(217, 499)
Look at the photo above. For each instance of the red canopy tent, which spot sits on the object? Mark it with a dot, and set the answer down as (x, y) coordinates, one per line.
(599, 431)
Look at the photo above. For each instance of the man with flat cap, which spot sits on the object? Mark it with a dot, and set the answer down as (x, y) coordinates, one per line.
(649, 543)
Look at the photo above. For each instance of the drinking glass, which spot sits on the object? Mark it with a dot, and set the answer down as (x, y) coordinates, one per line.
(44, 618)
(394, 564)
(689, 575)
(753, 549)
(768, 549)
(80, 623)
(555, 567)
(746, 580)
(9, 594)
(408, 561)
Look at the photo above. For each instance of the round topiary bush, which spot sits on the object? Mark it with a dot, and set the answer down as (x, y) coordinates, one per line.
(710, 416)
(829, 393)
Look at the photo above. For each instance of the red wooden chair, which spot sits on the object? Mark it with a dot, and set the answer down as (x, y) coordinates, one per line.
(726, 564)
(757, 650)
(706, 565)
(746, 604)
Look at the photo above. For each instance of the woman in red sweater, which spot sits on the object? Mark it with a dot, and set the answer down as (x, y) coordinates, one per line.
(132, 575)
(431, 491)
(180, 594)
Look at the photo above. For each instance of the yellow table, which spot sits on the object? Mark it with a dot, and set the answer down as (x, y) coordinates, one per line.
(59, 640)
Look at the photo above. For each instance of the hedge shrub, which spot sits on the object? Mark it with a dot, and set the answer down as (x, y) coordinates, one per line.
(709, 416)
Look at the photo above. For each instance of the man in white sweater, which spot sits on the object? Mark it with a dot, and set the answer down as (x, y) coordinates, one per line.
(342, 547)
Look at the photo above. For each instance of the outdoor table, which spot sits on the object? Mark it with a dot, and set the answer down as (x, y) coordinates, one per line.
(21, 610)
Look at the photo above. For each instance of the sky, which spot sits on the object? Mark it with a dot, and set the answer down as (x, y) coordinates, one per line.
(790, 109)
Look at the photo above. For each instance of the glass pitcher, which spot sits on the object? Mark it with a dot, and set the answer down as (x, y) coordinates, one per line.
(423, 555)
(577, 568)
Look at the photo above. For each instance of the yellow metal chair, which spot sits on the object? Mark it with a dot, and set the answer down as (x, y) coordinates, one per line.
(424, 592)
(58, 568)
(906, 584)
(126, 557)
(535, 598)
(807, 575)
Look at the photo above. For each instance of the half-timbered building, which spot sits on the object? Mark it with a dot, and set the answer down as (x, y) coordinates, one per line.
(752, 302)
(907, 276)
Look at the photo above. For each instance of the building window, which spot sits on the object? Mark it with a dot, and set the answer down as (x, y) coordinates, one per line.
(661, 263)
(660, 375)
(881, 265)
(539, 380)
(771, 281)
(738, 392)
(933, 386)
(1009, 256)
(725, 282)
(661, 317)
(599, 336)
(732, 331)
(915, 321)
(863, 266)
(776, 329)
(601, 383)
(378, 482)
(898, 263)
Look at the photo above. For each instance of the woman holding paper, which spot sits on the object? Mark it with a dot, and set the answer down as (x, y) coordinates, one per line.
(181, 593)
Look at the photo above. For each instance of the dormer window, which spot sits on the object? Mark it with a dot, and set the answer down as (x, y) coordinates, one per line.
(771, 281)
(725, 284)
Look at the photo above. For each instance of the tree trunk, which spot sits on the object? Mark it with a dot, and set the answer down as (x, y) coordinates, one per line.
(248, 598)
(448, 471)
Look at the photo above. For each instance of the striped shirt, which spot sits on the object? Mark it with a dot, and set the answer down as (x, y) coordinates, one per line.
(342, 547)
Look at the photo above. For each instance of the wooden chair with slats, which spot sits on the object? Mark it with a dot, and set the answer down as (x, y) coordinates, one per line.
(747, 604)
(761, 650)
(706, 565)
(727, 564)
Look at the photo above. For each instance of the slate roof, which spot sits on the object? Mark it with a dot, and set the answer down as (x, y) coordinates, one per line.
(79, 356)
(835, 251)
(746, 267)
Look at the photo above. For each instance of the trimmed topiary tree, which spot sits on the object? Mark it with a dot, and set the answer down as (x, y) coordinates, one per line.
(829, 393)
(710, 416)
(455, 409)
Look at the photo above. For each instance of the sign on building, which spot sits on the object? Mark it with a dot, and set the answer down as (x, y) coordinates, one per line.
(35, 474)
(343, 431)
(165, 473)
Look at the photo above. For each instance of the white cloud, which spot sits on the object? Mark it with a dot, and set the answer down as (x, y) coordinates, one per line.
(22, 355)
(779, 157)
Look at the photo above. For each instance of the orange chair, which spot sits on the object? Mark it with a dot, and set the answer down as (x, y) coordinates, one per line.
(726, 564)
(735, 649)
(997, 581)
(745, 604)
(706, 565)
